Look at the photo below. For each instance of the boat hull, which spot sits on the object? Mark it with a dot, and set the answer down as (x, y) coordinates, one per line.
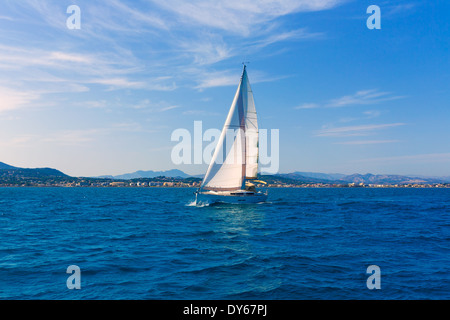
(231, 197)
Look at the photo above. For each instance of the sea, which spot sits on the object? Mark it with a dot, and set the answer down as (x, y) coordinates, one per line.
(154, 243)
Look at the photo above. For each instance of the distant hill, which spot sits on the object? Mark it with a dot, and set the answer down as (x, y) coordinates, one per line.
(296, 177)
(317, 175)
(175, 173)
(301, 177)
(359, 178)
(385, 179)
(4, 166)
(7, 171)
(280, 179)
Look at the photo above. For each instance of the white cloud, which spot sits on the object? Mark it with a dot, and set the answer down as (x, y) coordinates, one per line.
(118, 83)
(6, 18)
(396, 9)
(363, 97)
(299, 34)
(72, 137)
(366, 142)
(70, 57)
(209, 49)
(84, 137)
(223, 78)
(59, 71)
(95, 104)
(168, 108)
(360, 130)
(416, 158)
(307, 106)
(152, 107)
(372, 113)
(11, 99)
(240, 16)
(22, 58)
(217, 79)
(201, 112)
(17, 141)
(133, 15)
(185, 31)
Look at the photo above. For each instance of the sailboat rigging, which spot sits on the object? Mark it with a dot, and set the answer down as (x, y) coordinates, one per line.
(234, 164)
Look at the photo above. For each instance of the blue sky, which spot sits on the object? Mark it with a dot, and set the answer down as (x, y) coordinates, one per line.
(105, 99)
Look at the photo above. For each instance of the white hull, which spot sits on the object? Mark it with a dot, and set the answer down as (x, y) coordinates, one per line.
(234, 197)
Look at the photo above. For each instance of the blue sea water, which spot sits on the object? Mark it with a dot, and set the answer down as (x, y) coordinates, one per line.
(152, 243)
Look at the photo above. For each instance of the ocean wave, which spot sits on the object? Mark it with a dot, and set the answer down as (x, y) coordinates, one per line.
(198, 205)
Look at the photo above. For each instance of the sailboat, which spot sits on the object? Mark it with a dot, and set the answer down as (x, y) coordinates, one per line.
(232, 173)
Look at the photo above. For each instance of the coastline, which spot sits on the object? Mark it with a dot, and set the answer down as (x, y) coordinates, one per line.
(307, 186)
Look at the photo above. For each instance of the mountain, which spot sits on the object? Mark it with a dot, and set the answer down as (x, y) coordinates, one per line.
(285, 179)
(318, 175)
(386, 179)
(7, 171)
(368, 178)
(443, 178)
(4, 166)
(298, 178)
(174, 173)
(312, 177)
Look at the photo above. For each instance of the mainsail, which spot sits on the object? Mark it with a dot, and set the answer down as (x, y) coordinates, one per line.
(235, 158)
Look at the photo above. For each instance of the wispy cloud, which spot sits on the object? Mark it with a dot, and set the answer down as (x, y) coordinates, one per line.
(219, 31)
(367, 142)
(216, 79)
(307, 106)
(18, 141)
(299, 34)
(137, 15)
(208, 49)
(56, 71)
(372, 113)
(391, 10)
(197, 33)
(363, 97)
(416, 158)
(70, 57)
(201, 112)
(240, 16)
(359, 130)
(22, 58)
(118, 83)
(11, 99)
(168, 108)
(152, 107)
(6, 18)
(73, 137)
(369, 114)
(228, 78)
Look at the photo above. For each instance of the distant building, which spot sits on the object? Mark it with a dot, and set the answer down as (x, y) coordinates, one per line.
(117, 184)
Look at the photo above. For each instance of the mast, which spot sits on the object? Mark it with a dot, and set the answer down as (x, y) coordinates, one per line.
(242, 118)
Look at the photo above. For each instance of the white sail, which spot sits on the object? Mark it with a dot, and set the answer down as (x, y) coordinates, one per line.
(236, 155)
(251, 130)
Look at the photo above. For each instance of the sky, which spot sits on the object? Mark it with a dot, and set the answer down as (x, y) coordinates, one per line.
(105, 98)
